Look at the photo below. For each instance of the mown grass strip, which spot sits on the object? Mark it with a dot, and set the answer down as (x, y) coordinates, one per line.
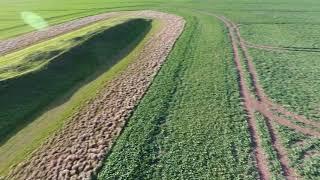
(190, 123)
(34, 57)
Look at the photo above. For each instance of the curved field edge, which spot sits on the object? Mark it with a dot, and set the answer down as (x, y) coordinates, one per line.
(167, 137)
(29, 94)
(36, 56)
(59, 111)
(68, 155)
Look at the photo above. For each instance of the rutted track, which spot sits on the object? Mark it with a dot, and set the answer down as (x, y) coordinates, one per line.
(260, 156)
(77, 151)
(259, 90)
(278, 48)
(265, 106)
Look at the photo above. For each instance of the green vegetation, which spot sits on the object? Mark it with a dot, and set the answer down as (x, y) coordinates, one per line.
(55, 12)
(38, 55)
(190, 124)
(303, 152)
(274, 164)
(65, 97)
(293, 81)
(283, 35)
(288, 77)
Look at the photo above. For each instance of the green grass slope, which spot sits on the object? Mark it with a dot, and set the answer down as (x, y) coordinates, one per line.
(19, 146)
(27, 95)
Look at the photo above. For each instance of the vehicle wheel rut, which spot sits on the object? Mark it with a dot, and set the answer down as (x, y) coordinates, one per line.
(261, 105)
(258, 151)
(279, 49)
(259, 90)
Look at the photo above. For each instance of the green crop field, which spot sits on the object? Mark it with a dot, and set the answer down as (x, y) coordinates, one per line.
(238, 96)
(163, 139)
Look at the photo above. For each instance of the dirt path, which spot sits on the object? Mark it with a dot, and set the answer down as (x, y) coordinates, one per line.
(77, 151)
(259, 90)
(252, 105)
(260, 156)
(288, 172)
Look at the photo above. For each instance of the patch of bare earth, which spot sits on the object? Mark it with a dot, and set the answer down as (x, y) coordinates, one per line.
(77, 151)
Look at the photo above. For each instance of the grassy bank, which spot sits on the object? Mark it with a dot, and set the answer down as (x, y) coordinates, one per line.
(69, 94)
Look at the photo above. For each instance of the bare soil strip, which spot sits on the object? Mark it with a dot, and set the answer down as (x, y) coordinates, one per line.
(281, 152)
(252, 105)
(77, 151)
(260, 156)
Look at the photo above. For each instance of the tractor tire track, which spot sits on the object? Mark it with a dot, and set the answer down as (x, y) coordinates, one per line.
(280, 151)
(278, 48)
(248, 102)
(259, 90)
(78, 150)
(252, 105)
(16, 43)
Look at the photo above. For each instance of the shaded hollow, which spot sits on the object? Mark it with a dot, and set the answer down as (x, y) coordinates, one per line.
(26, 97)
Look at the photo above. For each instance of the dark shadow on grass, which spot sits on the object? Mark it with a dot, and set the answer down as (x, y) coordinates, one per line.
(25, 98)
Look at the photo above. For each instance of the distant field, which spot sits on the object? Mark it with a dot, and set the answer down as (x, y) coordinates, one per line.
(11, 23)
(237, 98)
